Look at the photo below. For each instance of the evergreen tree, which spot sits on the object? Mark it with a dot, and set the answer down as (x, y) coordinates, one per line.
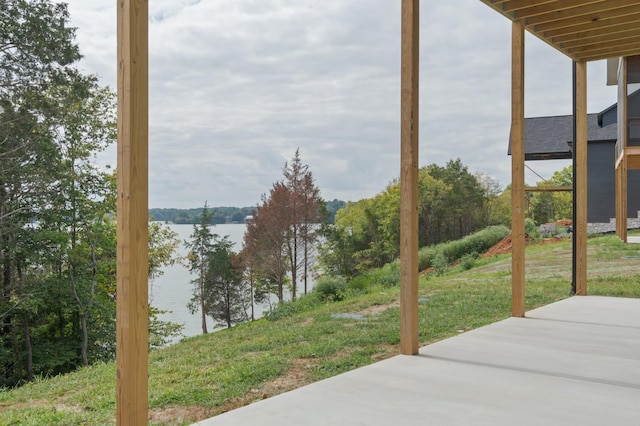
(227, 294)
(200, 246)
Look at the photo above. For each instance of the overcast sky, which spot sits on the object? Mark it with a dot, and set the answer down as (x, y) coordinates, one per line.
(236, 86)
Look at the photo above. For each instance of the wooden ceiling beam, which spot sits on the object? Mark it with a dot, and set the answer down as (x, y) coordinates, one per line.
(613, 53)
(527, 10)
(623, 35)
(604, 25)
(514, 5)
(608, 46)
(611, 15)
(585, 11)
(585, 37)
(584, 30)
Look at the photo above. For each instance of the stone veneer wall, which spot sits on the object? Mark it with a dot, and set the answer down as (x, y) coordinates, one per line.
(600, 228)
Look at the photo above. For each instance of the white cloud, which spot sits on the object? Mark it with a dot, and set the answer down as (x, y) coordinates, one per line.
(237, 85)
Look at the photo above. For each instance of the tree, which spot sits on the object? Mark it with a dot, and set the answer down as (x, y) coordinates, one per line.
(432, 195)
(463, 203)
(200, 245)
(281, 237)
(37, 75)
(337, 254)
(226, 292)
(491, 193)
(314, 217)
(163, 245)
(366, 233)
(57, 224)
(86, 125)
(36, 45)
(552, 206)
(353, 243)
(305, 208)
(265, 240)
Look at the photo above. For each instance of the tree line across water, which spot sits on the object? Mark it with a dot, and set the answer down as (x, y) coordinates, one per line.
(58, 216)
(222, 215)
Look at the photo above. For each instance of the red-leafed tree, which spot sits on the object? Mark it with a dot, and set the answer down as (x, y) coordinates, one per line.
(305, 215)
(285, 228)
(265, 239)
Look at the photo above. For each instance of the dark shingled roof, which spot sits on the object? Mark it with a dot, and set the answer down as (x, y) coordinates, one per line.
(549, 138)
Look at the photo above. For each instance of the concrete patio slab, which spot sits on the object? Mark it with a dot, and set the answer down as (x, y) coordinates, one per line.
(633, 239)
(576, 361)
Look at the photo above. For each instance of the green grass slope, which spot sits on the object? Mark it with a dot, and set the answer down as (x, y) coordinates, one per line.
(204, 376)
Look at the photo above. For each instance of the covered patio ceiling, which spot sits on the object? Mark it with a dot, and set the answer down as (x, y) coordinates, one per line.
(584, 30)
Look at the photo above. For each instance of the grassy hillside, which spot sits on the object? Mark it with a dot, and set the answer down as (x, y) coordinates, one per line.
(207, 375)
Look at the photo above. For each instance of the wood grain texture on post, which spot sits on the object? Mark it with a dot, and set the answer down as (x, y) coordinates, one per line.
(517, 171)
(580, 227)
(132, 313)
(409, 125)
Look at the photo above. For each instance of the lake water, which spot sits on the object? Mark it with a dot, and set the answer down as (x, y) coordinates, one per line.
(172, 291)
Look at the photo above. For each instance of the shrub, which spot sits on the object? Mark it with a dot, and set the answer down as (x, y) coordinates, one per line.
(440, 264)
(388, 275)
(360, 283)
(426, 256)
(453, 251)
(531, 228)
(468, 261)
(331, 288)
(287, 309)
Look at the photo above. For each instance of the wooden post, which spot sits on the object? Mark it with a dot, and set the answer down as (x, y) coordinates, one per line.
(517, 171)
(409, 178)
(621, 161)
(580, 227)
(622, 193)
(132, 312)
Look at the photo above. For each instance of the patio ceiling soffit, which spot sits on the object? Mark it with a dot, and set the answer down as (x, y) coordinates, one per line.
(584, 30)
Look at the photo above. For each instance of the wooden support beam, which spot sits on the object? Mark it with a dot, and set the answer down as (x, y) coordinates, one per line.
(621, 163)
(548, 188)
(621, 199)
(517, 170)
(580, 227)
(409, 121)
(632, 155)
(132, 313)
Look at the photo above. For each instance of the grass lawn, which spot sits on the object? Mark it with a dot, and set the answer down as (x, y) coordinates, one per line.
(206, 375)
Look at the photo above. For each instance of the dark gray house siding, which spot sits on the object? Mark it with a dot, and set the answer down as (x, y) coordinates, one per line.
(602, 184)
(610, 115)
(548, 138)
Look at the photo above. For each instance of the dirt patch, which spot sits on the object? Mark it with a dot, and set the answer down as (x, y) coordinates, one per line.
(506, 244)
(377, 309)
(503, 247)
(180, 415)
(553, 240)
(427, 271)
(386, 351)
(44, 403)
(296, 377)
